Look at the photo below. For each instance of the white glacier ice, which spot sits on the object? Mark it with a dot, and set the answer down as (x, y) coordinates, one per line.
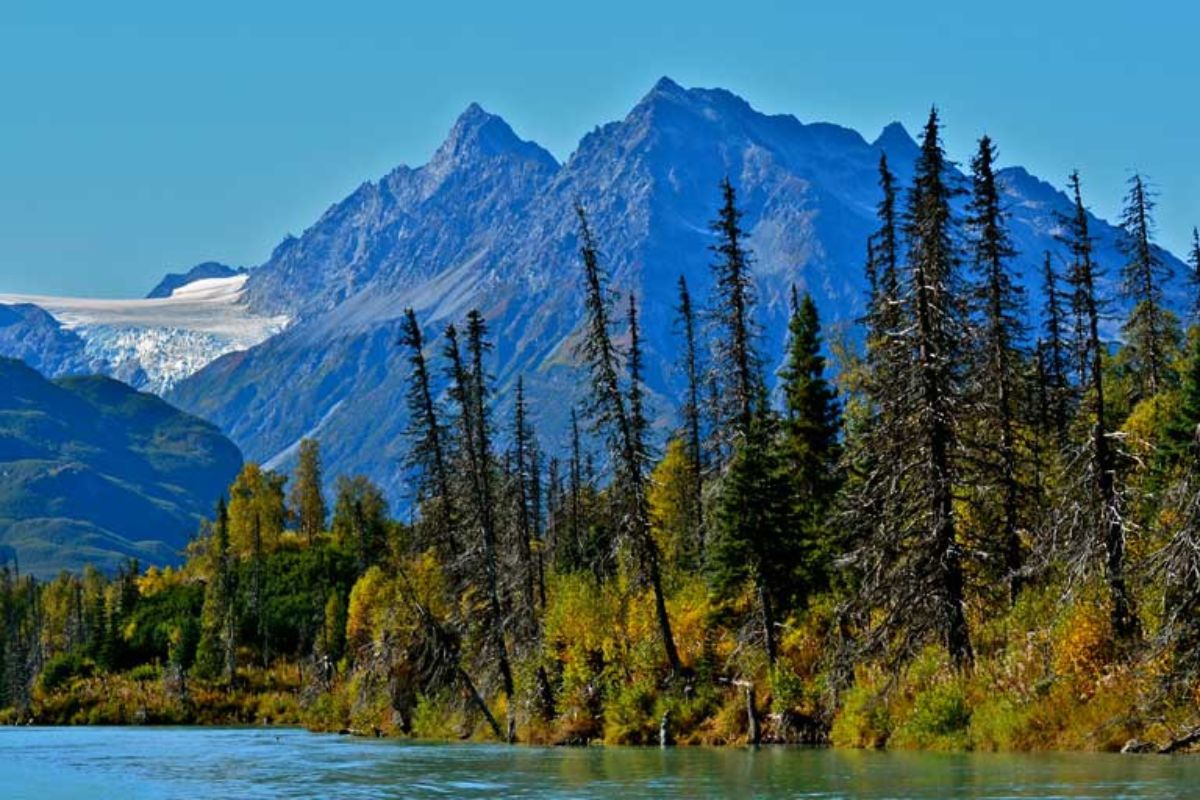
(155, 343)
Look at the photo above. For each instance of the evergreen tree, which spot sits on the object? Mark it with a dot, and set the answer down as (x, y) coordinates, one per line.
(469, 390)
(622, 426)
(885, 315)
(1105, 511)
(307, 500)
(360, 519)
(1149, 329)
(217, 650)
(909, 557)
(996, 376)
(1056, 355)
(1183, 430)
(736, 362)
(638, 424)
(427, 432)
(521, 455)
(885, 250)
(1194, 262)
(691, 412)
(757, 537)
(809, 438)
(575, 495)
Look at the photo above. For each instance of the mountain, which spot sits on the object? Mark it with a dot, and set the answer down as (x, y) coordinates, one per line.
(95, 472)
(150, 343)
(175, 280)
(29, 333)
(489, 222)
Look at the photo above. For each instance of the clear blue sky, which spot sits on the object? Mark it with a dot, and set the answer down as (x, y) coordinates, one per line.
(138, 137)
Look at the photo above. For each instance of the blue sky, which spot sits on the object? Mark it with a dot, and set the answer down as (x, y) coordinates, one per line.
(140, 137)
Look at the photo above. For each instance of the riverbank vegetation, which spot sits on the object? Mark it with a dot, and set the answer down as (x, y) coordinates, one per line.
(983, 533)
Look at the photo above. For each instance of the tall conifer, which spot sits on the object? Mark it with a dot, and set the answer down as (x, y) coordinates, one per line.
(997, 367)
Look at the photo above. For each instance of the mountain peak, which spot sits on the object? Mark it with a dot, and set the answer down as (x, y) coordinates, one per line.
(895, 140)
(478, 134)
(665, 85)
(175, 280)
(663, 90)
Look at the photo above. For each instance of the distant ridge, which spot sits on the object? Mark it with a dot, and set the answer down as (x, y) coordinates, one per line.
(95, 472)
(208, 269)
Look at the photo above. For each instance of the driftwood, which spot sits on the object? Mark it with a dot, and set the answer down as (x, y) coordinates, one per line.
(1187, 740)
(753, 725)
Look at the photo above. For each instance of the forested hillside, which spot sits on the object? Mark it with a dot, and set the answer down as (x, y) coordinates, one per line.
(983, 533)
(94, 472)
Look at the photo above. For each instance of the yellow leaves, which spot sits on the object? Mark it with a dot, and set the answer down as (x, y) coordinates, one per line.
(1084, 646)
(156, 580)
(381, 604)
(671, 500)
(690, 610)
(256, 512)
(370, 598)
(1147, 421)
(584, 617)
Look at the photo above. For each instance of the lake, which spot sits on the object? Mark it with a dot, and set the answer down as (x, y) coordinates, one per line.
(50, 763)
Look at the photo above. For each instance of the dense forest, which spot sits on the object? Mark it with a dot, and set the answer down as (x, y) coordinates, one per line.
(976, 526)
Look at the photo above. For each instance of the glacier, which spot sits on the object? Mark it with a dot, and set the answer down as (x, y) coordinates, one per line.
(155, 343)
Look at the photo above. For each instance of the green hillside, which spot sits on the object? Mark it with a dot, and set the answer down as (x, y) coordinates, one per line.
(92, 471)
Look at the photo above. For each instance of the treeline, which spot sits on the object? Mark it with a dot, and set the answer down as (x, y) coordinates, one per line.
(985, 532)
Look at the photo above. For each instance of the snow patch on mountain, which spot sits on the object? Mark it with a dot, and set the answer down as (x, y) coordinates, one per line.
(154, 343)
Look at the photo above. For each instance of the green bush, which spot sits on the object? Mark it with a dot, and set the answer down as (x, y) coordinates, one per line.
(145, 672)
(864, 719)
(938, 720)
(63, 668)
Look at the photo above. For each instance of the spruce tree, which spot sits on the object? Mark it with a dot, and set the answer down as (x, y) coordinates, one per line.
(1056, 355)
(810, 449)
(622, 425)
(686, 320)
(1194, 262)
(996, 378)
(736, 362)
(885, 316)
(1149, 329)
(884, 247)
(909, 557)
(756, 537)
(217, 650)
(638, 424)
(1105, 511)
(575, 496)
(468, 389)
(428, 452)
(521, 455)
(929, 227)
(1183, 430)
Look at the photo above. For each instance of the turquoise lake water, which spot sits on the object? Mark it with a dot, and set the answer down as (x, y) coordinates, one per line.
(51, 763)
